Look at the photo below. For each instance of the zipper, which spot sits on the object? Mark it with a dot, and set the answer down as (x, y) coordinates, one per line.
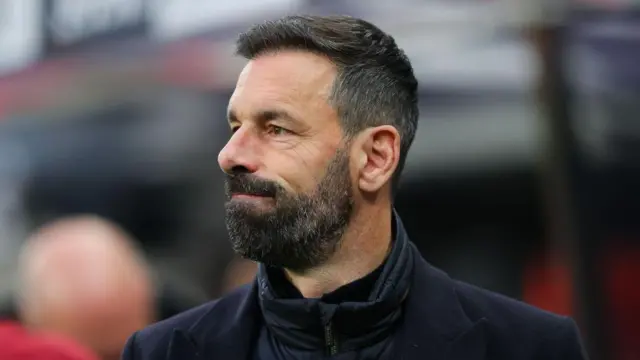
(330, 340)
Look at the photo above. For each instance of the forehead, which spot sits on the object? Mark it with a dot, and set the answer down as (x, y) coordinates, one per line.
(293, 78)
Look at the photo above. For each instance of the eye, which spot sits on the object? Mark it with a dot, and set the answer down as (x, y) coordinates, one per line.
(277, 130)
(234, 128)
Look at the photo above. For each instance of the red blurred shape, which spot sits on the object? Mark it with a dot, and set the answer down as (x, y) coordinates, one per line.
(622, 277)
(189, 63)
(548, 285)
(17, 344)
(35, 85)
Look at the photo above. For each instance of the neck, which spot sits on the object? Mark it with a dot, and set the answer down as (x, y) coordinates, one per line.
(364, 246)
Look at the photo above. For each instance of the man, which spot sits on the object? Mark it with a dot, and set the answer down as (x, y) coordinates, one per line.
(81, 277)
(322, 118)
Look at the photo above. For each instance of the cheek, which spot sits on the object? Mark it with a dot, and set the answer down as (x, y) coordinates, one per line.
(299, 171)
(295, 176)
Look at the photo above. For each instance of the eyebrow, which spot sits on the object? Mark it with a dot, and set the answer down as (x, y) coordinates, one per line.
(265, 115)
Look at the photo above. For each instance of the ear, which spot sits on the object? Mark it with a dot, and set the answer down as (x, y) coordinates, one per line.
(378, 155)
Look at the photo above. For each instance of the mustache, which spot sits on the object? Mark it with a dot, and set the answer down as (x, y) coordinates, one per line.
(251, 185)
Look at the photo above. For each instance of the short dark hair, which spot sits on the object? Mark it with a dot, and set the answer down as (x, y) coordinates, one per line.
(375, 84)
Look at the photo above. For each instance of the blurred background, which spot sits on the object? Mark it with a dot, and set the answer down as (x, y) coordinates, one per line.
(523, 177)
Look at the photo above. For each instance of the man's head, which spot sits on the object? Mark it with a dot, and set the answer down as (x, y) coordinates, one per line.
(322, 116)
(83, 278)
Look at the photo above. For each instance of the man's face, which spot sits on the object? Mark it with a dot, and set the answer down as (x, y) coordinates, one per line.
(290, 194)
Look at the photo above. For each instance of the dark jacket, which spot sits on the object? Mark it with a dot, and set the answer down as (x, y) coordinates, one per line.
(357, 321)
(440, 319)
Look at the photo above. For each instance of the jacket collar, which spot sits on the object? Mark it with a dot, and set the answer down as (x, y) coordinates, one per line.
(356, 322)
(434, 324)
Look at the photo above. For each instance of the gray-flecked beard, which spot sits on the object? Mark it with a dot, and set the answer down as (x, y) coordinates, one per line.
(301, 230)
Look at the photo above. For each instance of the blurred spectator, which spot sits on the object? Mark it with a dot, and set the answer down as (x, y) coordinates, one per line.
(18, 344)
(82, 277)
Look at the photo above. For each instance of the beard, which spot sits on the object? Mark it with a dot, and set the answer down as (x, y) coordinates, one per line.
(296, 231)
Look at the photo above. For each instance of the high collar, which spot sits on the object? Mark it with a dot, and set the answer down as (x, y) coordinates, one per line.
(356, 315)
(434, 326)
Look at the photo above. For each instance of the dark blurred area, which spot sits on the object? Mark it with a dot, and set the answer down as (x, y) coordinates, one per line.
(523, 177)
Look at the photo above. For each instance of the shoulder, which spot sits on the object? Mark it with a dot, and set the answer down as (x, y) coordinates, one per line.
(502, 310)
(152, 342)
(515, 324)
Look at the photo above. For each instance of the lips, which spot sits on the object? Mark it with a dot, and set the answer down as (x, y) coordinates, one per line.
(249, 196)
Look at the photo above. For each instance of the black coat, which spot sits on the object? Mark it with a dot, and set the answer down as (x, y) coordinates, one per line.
(443, 319)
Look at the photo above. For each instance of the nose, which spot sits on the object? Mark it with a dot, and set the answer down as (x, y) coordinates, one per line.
(239, 154)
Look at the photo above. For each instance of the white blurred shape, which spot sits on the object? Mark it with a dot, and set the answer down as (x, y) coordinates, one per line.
(20, 34)
(75, 20)
(174, 19)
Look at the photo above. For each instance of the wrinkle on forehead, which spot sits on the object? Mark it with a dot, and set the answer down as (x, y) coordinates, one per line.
(289, 77)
